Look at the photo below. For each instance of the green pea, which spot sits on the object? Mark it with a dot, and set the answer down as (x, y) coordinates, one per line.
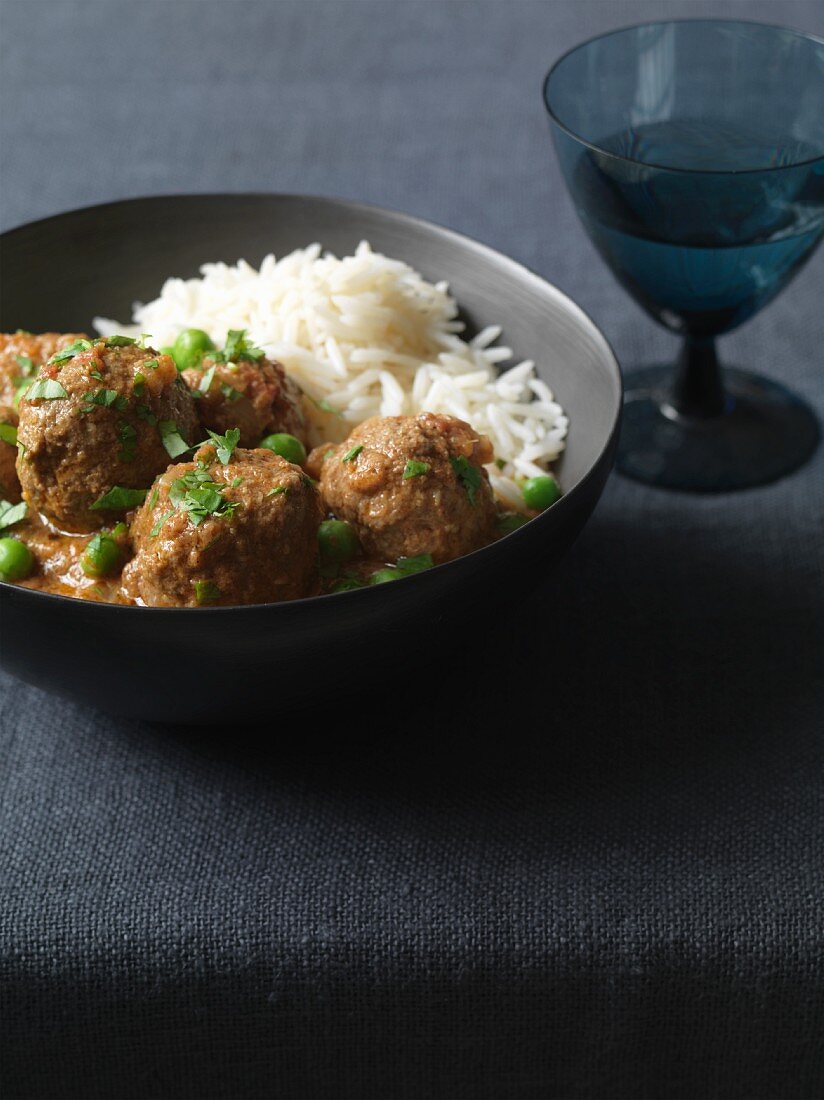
(540, 492)
(337, 540)
(346, 584)
(102, 556)
(384, 575)
(16, 560)
(190, 347)
(287, 446)
(511, 522)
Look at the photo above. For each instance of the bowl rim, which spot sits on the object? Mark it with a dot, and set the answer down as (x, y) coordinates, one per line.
(485, 251)
(620, 157)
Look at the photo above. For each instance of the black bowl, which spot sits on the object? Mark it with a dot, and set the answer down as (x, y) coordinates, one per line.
(229, 664)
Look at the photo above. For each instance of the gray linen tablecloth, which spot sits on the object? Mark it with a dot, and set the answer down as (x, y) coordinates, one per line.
(597, 874)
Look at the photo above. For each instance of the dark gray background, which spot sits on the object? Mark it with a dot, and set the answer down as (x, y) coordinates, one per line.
(599, 875)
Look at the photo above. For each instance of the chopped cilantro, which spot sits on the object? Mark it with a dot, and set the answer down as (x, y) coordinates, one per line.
(206, 380)
(8, 434)
(120, 341)
(173, 441)
(106, 399)
(11, 513)
(150, 364)
(119, 499)
(327, 454)
(324, 406)
(139, 383)
(206, 592)
(155, 531)
(237, 347)
(128, 442)
(145, 413)
(468, 475)
(229, 392)
(67, 353)
(47, 389)
(96, 374)
(417, 564)
(153, 498)
(415, 469)
(25, 363)
(276, 491)
(350, 456)
(200, 497)
(225, 444)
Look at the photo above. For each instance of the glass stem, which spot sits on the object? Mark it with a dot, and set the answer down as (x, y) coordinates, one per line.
(698, 391)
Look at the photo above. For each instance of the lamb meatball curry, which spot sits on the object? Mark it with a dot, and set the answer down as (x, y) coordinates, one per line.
(179, 477)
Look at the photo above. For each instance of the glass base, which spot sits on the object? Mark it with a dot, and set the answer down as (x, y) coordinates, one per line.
(764, 433)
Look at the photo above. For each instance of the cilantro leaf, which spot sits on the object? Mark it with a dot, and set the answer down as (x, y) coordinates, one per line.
(468, 475)
(350, 456)
(206, 592)
(107, 399)
(275, 492)
(67, 353)
(145, 413)
(408, 566)
(173, 441)
(128, 442)
(238, 347)
(8, 434)
(12, 513)
(155, 531)
(206, 380)
(224, 444)
(415, 469)
(120, 341)
(118, 499)
(47, 389)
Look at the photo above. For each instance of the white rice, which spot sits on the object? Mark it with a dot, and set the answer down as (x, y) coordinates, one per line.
(368, 336)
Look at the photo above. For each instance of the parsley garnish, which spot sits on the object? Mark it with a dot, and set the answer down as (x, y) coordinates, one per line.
(46, 388)
(238, 347)
(224, 444)
(206, 380)
(206, 592)
(128, 442)
(105, 398)
(120, 341)
(324, 406)
(350, 456)
(415, 469)
(67, 353)
(8, 433)
(468, 475)
(200, 497)
(11, 513)
(417, 564)
(155, 531)
(119, 499)
(173, 441)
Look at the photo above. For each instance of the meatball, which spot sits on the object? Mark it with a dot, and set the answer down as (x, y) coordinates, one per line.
(411, 485)
(9, 484)
(111, 414)
(21, 353)
(215, 534)
(256, 396)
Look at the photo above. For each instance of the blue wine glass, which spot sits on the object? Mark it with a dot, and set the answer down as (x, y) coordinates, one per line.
(694, 153)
